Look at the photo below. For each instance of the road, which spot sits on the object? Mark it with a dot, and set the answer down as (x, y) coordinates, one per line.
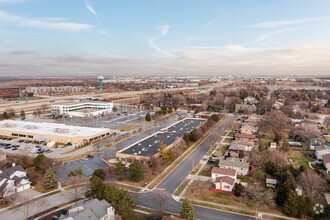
(167, 187)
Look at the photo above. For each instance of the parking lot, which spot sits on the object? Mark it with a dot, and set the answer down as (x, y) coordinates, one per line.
(19, 146)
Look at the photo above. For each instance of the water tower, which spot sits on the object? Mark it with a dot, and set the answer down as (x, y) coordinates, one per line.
(100, 78)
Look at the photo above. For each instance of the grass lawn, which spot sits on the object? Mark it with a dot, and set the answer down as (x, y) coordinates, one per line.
(243, 178)
(196, 169)
(35, 176)
(200, 190)
(128, 127)
(299, 158)
(221, 150)
(206, 171)
(227, 140)
(181, 187)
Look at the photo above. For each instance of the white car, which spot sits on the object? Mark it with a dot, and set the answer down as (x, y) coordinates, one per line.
(34, 150)
(22, 147)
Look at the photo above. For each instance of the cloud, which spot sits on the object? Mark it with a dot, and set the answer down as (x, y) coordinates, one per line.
(20, 52)
(91, 9)
(152, 44)
(163, 28)
(269, 35)
(8, 18)
(273, 24)
(104, 32)
(213, 21)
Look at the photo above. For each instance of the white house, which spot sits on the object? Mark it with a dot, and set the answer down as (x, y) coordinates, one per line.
(12, 180)
(234, 163)
(320, 150)
(273, 145)
(224, 179)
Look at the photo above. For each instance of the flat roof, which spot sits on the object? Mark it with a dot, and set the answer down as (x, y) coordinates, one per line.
(81, 103)
(151, 145)
(49, 128)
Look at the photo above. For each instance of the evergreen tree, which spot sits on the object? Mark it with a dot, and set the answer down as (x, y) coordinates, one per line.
(22, 114)
(283, 192)
(186, 138)
(71, 174)
(148, 117)
(5, 115)
(98, 187)
(79, 171)
(238, 189)
(294, 205)
(187, 210)
(99, 173)
(135, 171)
(215, 117)
(49, 180)
(37, 161)
(120, 169)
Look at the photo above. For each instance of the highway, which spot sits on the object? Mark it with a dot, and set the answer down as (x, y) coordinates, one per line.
(167, 187)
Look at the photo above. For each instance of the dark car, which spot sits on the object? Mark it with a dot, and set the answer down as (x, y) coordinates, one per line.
(212, 162)
(7, 147)
(14, 148)
(90, 156)
(40, 151)
(38, 146)
(20, 141)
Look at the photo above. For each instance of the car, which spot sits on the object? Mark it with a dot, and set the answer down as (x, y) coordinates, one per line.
(7, 147)
(40, 151)
(14, 148)
(38, 146)
(118, 113)
(20, 141)
(27, 142)
(90, 156)
(212, 162)
(34, 150)
(47, 150)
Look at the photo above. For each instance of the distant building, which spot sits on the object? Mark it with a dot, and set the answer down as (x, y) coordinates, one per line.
(245, 107)
(326, 161)
(52, 132)
(9, 92)
(297, 119)
(250, 100)
(246, 137)
(271, 183)
(92, 210)
(273, 145)
(233, 163)
(88, 109)
(321, 150)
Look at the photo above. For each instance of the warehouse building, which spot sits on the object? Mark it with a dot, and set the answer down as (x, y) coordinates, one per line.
(88, 109)
(150, 146)
(9, 92)
(52, 132)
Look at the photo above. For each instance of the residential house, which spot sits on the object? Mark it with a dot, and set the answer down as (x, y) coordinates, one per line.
(93, 209)
(248, 129)
(224, 179)
(246, 137)
(326, 161)
(271, 183)
(13, 180)
(316, 141)
(297, 119)
(273, 145)
(240, 148)
(253, 119)
(245, 107)
(321, 150)
(237, 164)
(250, 100)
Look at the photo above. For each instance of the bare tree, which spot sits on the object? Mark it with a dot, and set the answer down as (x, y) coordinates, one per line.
(30, 208)
(160, 198)
(258, 196)
(313, 184)
(78, 186)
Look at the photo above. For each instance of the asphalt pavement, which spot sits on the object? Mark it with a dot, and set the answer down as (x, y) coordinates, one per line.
(167, 187)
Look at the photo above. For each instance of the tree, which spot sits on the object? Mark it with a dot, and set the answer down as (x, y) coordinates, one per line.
(11, 113)
(239, 188)
(49, 180)
(148, 117)
(258, 195)
(79, 171)
(30, 209)
(187, 210)
(294, 205)
(135, 171)
(78, 187)
(186, 138)
(162, 149)
(153, 164)
(283, 192)
(38, 161)
(215, 117)
(98, 187)
(313, 184)
(71, 174)
(5, 115)
(22, 114)
(99, 173)
(30, 94)
(120, 169)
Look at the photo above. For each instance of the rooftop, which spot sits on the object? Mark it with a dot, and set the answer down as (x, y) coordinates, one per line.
(49, 128)
(151, 145)
(225, 179)
(326, 158)
(223, 171)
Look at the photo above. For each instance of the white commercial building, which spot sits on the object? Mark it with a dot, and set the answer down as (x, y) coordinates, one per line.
(88, 109)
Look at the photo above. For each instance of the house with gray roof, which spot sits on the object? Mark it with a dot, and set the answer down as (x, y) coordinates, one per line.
(13, 180)
(241, 167)
(321, 150)
(93, 209)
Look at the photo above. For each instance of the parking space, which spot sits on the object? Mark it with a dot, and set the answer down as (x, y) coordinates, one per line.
(89, 165)
(9, 145)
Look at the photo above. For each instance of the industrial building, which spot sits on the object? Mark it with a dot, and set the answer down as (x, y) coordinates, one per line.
(150, 146)
(51, 132)
(9, 92)
(88, 109)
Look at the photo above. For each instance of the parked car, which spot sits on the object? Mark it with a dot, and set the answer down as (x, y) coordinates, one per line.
(212, 162)
(90, 156)
(20, 141)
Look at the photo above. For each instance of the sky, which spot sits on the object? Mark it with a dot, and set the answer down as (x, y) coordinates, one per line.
(164, 37)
